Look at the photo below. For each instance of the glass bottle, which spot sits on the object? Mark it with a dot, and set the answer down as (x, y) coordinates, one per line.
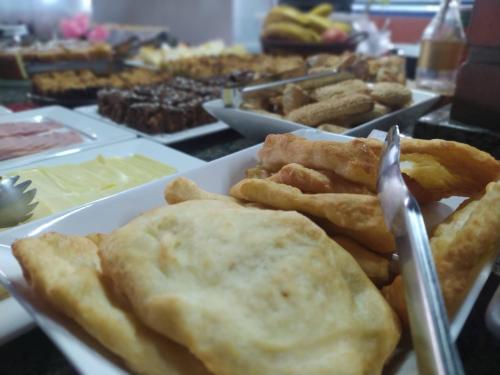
(441, 49)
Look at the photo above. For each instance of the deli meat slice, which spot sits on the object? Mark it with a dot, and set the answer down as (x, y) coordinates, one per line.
(13, 129)
(11, 147)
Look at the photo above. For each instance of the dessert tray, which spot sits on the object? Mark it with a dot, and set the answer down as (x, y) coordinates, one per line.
(107, 214)
(257, 125)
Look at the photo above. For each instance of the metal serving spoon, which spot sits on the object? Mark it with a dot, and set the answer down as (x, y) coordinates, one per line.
(16, 202)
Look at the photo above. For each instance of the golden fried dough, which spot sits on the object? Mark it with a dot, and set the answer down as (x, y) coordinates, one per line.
(251, 291)
(182, 189)
(356, 215)
(351, 86)
(294, 97)
(391, 94)
(318, 113)
(354, 160)
(440, 168)
(460, 246)
(312, 181)
(257, 172)
(65, 271)
(375, 266)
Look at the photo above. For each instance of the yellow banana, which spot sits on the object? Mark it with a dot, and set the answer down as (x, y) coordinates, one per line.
(285, 14)
(318, 23)
(290, 31)
(322, 10)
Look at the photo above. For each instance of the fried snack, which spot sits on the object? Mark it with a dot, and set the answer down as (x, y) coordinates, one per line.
(351, 86)
(294, 97)
(440, 168)
(353, 120)
(461, 246)
(355, 215)
(353, 160)
(332, 128)
(65, 271)
(257, 172)
(312, 181)
(251, 291)
(391, 94)
(182, 189)
(319, 113)
(375, 266)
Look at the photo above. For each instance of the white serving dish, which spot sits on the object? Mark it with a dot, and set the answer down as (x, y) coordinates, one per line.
(4, 110)
(165, 138)
(94, 133)
(256, 125)
(108, 214)
(13, 318)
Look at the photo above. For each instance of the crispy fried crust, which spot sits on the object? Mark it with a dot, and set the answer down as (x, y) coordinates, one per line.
(356, 215)
(312, 181)
(440, 168)
(65, 271)
(461, 245)
(251, 291)
(324, 111)
(182, 189)
(352, 160)
(375, 266)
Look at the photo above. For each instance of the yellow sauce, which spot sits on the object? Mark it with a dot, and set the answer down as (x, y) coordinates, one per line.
(65, 186)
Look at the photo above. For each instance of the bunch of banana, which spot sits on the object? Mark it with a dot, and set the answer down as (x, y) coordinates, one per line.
(285, 22)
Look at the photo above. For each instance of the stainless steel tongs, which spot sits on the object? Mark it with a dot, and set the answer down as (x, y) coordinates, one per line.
(434, 348)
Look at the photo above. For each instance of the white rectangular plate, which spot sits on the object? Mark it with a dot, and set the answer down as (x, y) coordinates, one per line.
(13, 318)
(94, 132)
(165, 138)
(107, 214)
(256, 125)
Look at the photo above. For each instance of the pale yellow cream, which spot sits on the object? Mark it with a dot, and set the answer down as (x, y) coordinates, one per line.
(65, 186)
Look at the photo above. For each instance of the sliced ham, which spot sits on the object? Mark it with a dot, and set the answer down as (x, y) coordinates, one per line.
(11, 147)
(13, 129)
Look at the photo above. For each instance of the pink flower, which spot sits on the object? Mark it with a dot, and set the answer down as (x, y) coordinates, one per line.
(98, 33)
(82, 21)
(74, 27)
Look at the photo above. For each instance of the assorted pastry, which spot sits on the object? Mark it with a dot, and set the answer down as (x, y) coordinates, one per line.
(285, 275)
(363, 90)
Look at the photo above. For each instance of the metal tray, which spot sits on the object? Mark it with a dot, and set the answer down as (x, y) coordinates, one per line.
(257, 125)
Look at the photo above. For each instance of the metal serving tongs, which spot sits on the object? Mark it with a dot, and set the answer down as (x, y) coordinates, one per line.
(16, 202)
(436, 353)
(234, 96)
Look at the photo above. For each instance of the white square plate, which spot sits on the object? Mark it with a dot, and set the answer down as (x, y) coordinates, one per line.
(107, 214)
(13, 318)
(165, 138)
(94, 133)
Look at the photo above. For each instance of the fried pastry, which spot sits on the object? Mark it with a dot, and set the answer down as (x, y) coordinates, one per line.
(294, 97)
(391, 94)
(351, 86)
(440, 168)
(312, 181)
(353, 120)
(182, 189)
(355, 215)
(354, 160)
(251, 291)
(461, 245)
(66, 272)
(321, 112)
(375, 266)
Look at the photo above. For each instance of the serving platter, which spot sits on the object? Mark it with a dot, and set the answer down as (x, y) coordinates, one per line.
(14, 320)
(256, 125)
(110, 213)
(93, 133)
(166, 138)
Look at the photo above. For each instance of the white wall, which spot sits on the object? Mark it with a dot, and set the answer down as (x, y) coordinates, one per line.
(194, 21)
